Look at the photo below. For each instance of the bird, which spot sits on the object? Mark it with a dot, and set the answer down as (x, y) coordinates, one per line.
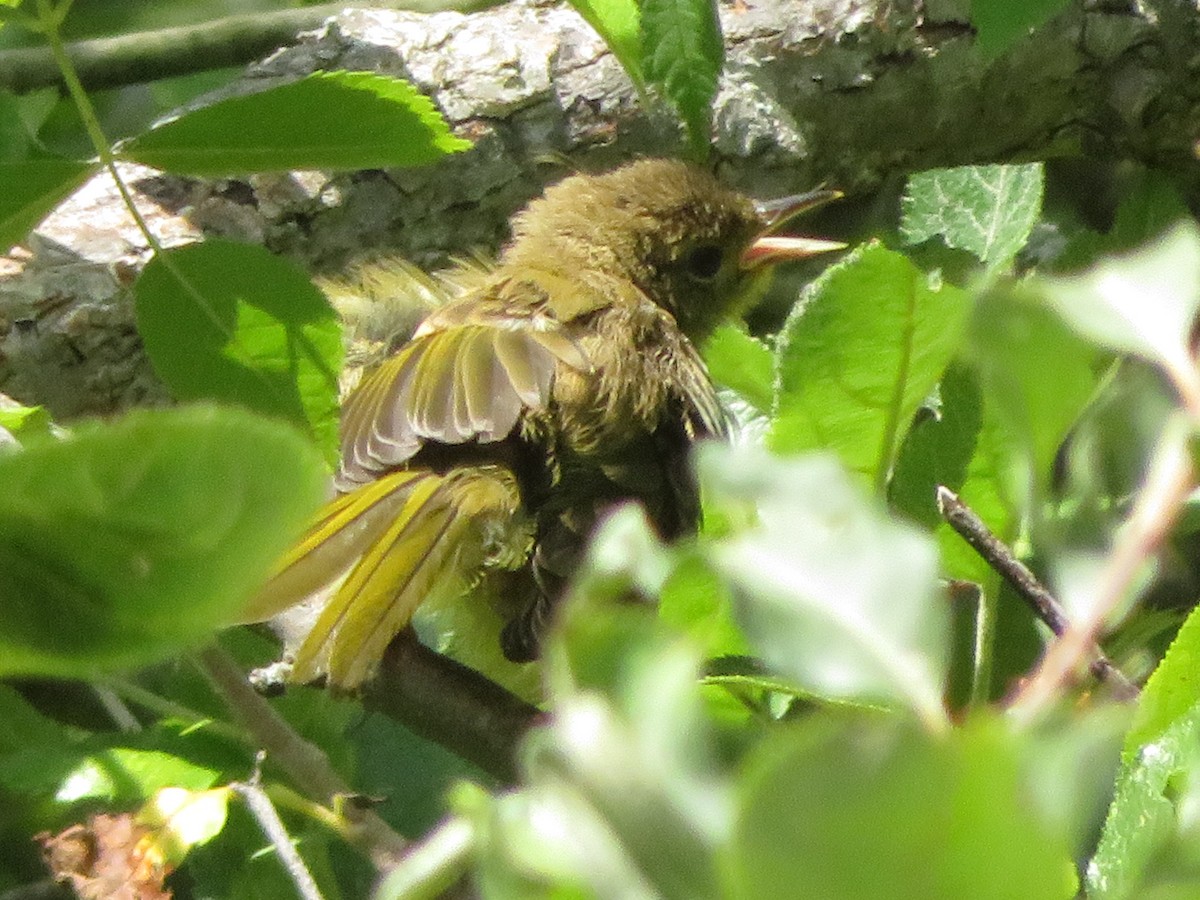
(555, 384)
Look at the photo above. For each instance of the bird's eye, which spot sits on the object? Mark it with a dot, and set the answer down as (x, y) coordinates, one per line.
(704, 262)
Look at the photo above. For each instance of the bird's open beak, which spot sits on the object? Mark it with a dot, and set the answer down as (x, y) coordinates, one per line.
(770, 247)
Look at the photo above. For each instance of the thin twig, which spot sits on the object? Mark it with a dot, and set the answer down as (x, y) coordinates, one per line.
(216, 44)
(996, 554)
(263, 810)
(451, 705)
(304, 762)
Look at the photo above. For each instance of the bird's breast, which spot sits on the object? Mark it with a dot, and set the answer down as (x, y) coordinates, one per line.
(628, 389)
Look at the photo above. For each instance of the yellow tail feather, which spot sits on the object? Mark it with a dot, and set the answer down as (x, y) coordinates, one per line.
(392, 544)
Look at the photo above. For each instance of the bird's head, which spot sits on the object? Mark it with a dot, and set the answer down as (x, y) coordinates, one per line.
(696, 248)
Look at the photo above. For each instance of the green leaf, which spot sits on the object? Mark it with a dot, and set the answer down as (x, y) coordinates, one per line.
(1142, 818)
(127, 542)
(697, 602)
(863, 814)
(1015, 344)
(938, 448)
(683, 52)
(31, 188)
(986, 210)
(857, 360)
(743, 364)
(182, 819)
(629, 755)
(1172, 692)
(1142, 303)
(23, 422)
(831, 591)
(232, 322)
(367, 121)
(22, 725)
(619, 23)
(1001, 23)
(987, 489)
(116, 775)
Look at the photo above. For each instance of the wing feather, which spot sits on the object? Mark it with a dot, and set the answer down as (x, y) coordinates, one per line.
(471, 380)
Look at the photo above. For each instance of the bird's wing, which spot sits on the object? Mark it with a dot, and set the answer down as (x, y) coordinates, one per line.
(468, 374)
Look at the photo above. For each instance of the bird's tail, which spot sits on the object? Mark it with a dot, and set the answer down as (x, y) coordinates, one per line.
(382, 550)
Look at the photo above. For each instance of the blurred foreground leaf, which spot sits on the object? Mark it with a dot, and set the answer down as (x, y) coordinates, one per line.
(831, 591)
(1142, 303)
(829, 812)
(127, 542)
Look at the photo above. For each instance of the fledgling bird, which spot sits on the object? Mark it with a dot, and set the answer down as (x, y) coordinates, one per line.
(560, 383)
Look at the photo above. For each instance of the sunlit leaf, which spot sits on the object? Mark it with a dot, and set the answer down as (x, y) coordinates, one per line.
(857, 360)
(743, 364)
(328, 120)
(181, 819)
(1172, 691)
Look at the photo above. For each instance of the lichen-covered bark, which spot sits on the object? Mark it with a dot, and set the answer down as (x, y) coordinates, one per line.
(840, 92)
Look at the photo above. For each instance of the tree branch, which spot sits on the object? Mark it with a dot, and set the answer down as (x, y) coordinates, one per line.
(452, 705)
(165, 53)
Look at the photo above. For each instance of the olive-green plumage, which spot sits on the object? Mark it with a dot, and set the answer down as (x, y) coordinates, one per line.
(563, 381)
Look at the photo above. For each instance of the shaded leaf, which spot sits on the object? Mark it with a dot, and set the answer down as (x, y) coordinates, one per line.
(1015, 344)
(232, 322)
(1001, 23)
(986, 210)
(31, 188)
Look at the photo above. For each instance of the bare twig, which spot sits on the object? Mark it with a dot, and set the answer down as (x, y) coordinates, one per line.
(263, 810)
(1167, 485)
(304, 763)
(996, 554)
(452, 705)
